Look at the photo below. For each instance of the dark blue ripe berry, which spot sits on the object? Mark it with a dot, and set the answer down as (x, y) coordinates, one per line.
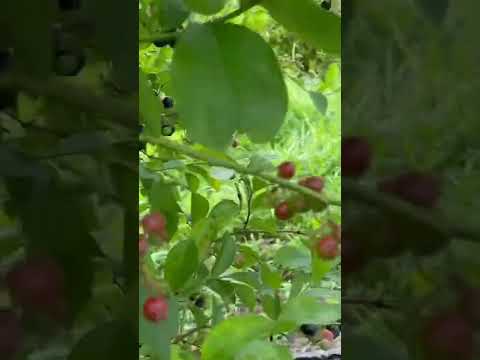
(167, 102)
(66, 5)
(309, 329)
(327, 4)
(69, 63)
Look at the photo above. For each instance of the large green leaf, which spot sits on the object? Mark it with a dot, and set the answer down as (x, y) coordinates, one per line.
(226, 255)
(307, 310)
(200, 207)
(227, 339)
(171, 13)
(181, 263)
(320, 28)
(226, 78)
(264, 350)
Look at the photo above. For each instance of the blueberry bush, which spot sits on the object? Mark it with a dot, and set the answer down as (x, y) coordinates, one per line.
(239, 224)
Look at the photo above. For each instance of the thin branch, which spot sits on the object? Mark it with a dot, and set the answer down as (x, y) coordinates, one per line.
(378, 303)
(189, 333)
(390, 203)
(71, 93)
(191, 152)
(260, 232)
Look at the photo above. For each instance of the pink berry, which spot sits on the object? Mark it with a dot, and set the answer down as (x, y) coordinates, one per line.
(286, 170)
(155, 224)
(142, 245)
(315, 183)
(283, 211)
(356, 156)
(327, 247)
(155, 309)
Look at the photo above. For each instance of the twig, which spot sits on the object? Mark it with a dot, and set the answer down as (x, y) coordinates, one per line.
(190, 332)
(390, 203)
(71, 93)
(378, 303)
(259, 232)
(191, 152)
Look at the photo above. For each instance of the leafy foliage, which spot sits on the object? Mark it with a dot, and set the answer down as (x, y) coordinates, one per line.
(241, 106)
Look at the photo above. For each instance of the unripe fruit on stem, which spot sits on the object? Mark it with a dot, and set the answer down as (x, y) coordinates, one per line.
(155, 309)
(315, 183)
(449, 336)
(11, 335)
(286, 170)
(327, 247)
(142, 245)
(327, 334)
(283, 211)
(155, 224)
(356, 156)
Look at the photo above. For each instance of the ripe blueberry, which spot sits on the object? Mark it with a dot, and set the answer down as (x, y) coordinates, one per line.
(69, 63)
(11, 335)
(155, 309)
(67, 5)
(327, 247)
(309, 329)
(283, 211)
(167, 102)
(315, 183)
(417, 188)
(356, 156)
(326, 4)
(286, 170)
(156, 224)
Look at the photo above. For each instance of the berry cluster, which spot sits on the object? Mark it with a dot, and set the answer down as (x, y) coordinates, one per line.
(154, 225)
(285, 209)
(37, 288)
(393, 234)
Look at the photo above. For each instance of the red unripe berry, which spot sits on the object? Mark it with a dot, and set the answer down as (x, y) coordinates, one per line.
(38, 285)
(286, 170)
(356, 156)
(11, 334)
(283, 211)
(420, 189)
(155, 224)
(315, 183)
(327, 334)
(449, 336)
(327, 247)
(155, 309)
(142, 245)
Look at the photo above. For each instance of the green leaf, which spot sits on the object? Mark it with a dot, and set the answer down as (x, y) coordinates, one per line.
(293, 257)
(318, 27)
(193, 182)
(150, 107)
(227, 339)
(181, 263)
(246, 295)
(163, 198)
(226, 256)
(269, 277)
(206, 7)
(307, 310)
(171, 13)
(271, 305)
(264, 350)
(236, 89)
(321, 267)
(203, 234)
(224, 213)
(200, 207)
